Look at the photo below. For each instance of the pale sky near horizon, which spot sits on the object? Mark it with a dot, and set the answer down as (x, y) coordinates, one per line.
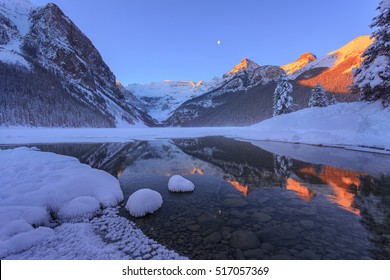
(155, 40)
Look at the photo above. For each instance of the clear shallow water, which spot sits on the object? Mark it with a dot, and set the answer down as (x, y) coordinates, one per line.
(298, 202)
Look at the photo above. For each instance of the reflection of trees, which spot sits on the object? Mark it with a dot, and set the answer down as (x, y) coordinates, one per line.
(245, 166)
(374, 204)
(282, 169)
(111, 157)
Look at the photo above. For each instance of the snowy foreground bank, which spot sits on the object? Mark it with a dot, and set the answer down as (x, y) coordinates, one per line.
(54, 207)
(353, 125)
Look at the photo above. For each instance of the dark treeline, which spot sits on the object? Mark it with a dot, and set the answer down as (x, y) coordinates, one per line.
(38, 98)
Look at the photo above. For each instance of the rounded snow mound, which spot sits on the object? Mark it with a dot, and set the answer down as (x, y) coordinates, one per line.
(178, 183)
(83, 207)
(143, 202)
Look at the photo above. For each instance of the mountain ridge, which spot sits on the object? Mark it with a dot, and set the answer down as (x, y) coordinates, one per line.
(43, 38)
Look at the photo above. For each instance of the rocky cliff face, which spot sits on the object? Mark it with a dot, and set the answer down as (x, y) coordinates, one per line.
(52, 42)
(240, 97)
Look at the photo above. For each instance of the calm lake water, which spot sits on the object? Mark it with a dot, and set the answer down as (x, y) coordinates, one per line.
(254, 200)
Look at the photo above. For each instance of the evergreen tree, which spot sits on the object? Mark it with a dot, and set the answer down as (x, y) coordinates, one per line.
(318, 97)
(372, 78)
(283, 101)
(333, 100)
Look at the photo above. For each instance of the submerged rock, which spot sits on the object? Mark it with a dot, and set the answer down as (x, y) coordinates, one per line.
(244, 239)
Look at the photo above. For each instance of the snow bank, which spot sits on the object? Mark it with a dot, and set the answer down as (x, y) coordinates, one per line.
(345, 124)
(178, 183)
(144, 201)
(36, 186)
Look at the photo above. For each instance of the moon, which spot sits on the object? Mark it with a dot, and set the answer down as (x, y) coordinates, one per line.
(218, 42)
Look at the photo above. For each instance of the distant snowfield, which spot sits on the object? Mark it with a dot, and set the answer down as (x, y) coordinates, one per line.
(354, 125)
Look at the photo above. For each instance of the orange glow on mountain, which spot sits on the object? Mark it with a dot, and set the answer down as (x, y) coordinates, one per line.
(303, 60)
(241, 188)
(242, 65)
(338, 77)
(340, 181)
(302, 191)
(335, 79)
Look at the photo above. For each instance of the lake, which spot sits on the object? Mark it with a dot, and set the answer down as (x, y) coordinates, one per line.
(254, 200)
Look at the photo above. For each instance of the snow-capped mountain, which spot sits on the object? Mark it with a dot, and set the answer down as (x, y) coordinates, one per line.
(244, 76)
(302, 61)
(160, 99)
(76, 88)
(333, 70)
(239, 90)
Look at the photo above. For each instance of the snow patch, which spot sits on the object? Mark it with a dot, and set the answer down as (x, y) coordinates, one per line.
(178, 183)
(143, 202)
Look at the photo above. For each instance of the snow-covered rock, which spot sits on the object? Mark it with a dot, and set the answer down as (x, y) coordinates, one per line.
(79, 208)
(143, 202)
(178, 183)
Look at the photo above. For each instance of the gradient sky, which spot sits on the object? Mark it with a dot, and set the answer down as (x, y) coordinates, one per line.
(155, 40)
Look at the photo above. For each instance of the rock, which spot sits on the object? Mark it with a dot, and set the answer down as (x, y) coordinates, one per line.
(234, 222)
(254, 254)
(244, 239)
(307, 224)
(220, 256)
(268, 209)
(234, 202)
(238, 214)
(309, 255)
(205, 218)
(226, 235)
(239, 255)
(261, 217)
(281, 257)
(209, 227)
(307, 211)
(197, 239)
(193, 227)
(267, 246)
(215, 237)
(167, 224)
(280, 235)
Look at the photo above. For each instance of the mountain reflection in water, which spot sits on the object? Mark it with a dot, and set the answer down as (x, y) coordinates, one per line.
(254, 200)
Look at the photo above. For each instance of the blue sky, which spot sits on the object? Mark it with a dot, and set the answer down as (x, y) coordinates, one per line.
(155, 40)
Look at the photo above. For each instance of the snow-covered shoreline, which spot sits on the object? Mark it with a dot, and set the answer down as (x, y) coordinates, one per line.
(356, 126)
(54, 207)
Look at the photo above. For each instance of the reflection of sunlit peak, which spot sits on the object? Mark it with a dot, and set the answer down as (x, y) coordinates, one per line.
(340, 181)
(196, 170)
(241, 188)
(120, 172)
(192, 172)
(302, 191)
